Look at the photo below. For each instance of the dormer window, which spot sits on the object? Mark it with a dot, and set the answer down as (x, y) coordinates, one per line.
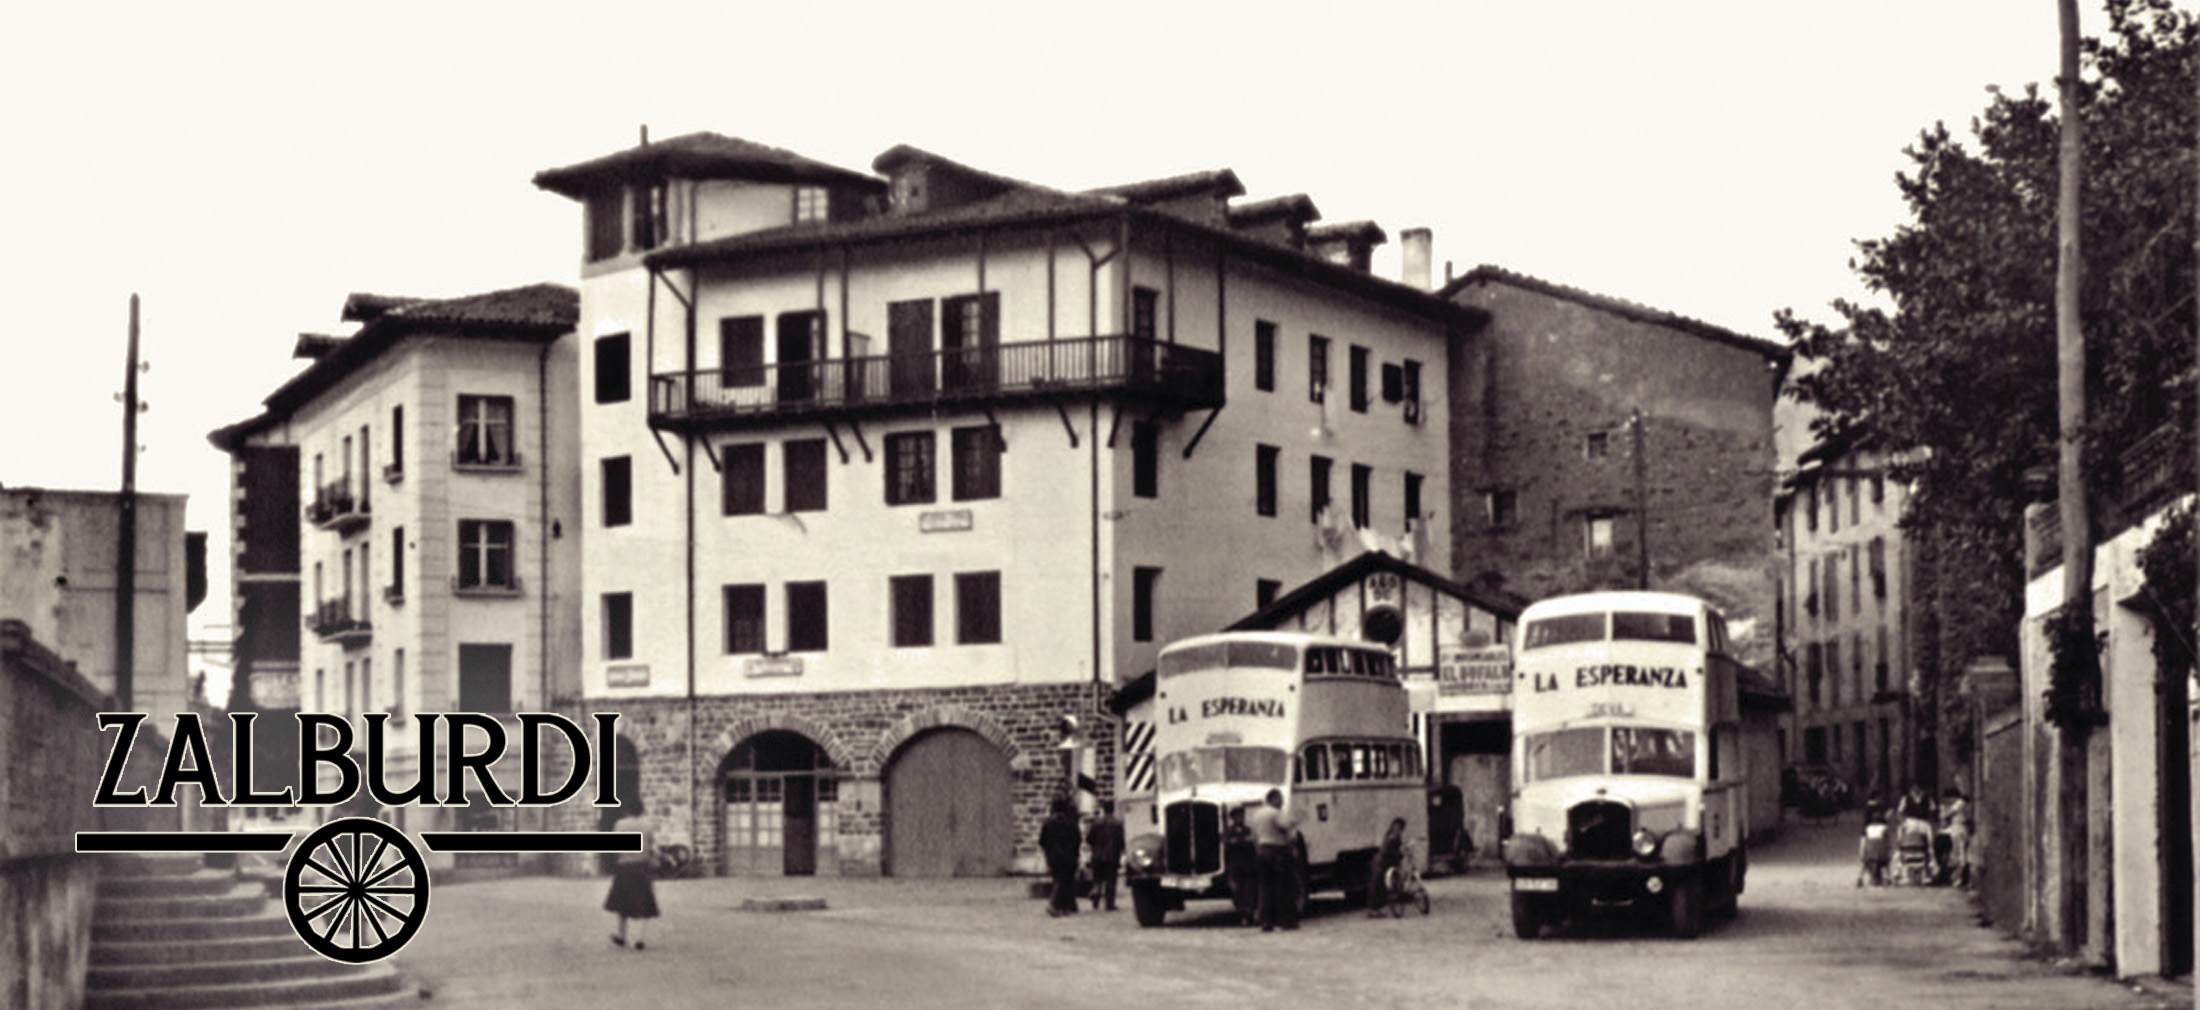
(811, 203)
(606, 224)
(649, 216)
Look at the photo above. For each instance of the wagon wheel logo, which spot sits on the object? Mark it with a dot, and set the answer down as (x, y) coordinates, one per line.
(356, 890)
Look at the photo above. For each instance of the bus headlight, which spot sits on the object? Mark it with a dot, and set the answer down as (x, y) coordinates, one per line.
(1646, 843)
(1145, 854)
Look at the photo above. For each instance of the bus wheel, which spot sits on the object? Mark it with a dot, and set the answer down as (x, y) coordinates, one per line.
(1527, 915)
(1685, 904)
(1146, 904)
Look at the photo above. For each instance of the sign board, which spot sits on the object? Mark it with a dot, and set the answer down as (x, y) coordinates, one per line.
(1480, 670)
(773, 666)
(945, 521)
(626, 675)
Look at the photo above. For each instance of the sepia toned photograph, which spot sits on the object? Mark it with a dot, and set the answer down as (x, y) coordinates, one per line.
(1483, 505)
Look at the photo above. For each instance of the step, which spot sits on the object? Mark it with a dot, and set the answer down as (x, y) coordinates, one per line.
(138, 864)
(301, 964)
(118, 953)
(268, 920)
(362, 981)
(199, 882)
(240, 898)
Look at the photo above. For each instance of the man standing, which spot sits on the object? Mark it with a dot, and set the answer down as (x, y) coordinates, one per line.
(1059, 841)
(1274, 828)
(1106, 840)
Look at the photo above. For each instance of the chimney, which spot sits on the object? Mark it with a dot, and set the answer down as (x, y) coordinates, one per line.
(1414, 248)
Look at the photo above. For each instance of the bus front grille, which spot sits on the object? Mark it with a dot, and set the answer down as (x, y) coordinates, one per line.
(1195, 837)
(1599, 829)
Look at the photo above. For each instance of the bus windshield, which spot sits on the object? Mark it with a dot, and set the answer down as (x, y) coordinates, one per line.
(1201, 766)
(1624, 626)
(1232, 654)
(1613, 750)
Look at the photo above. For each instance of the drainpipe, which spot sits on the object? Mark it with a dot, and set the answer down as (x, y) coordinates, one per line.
(542, 570)
(687, 442)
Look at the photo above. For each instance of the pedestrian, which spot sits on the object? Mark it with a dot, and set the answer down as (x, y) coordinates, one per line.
(1388, 854)
(1274, 829)
(1105, 838)
(1241, 863)
(1059, 841)
(1955, 822)
(1874, 848)
(633, 894)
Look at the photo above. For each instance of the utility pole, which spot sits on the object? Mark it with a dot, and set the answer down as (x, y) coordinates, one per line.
(1642, 506)
(2077, 525)
(126, 537)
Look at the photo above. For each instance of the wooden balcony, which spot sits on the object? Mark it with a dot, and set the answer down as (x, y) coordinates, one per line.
(1162, 375)
(336, 507)
(332, 620)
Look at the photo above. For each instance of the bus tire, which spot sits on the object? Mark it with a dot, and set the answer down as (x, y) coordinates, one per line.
(1528, 915)
(1147, 906)
(1684, 905)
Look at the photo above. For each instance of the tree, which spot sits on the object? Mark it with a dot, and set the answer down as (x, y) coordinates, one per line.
(1959, 377)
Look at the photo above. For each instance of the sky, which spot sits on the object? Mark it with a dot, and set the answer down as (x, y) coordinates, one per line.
(242, 167)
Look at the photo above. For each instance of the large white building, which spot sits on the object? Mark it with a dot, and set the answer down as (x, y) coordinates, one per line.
(883, 474)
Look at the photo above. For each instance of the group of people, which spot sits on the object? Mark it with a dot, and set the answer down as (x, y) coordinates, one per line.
(1935, 839)
(1064, 844)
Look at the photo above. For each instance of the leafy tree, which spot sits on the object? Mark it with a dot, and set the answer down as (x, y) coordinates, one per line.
(1958, 377)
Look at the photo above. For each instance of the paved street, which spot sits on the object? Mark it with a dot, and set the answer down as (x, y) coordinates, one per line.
(1806, 937)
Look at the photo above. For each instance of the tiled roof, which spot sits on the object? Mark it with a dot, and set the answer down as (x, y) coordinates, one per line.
(1486, 274)
(1366, 231)
(1221, 181)
(1296, 205)
(536, 305)
(698, 156)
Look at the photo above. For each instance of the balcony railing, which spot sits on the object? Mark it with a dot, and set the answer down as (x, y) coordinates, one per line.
(1169, 375)
(335, 506)
(333, 621)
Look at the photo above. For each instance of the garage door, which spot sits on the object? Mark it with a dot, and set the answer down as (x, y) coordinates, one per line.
(947, 808)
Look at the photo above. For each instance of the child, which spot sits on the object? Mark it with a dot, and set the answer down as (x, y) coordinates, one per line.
(1873, 850)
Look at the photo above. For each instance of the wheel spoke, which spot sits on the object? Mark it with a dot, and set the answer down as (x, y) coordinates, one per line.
(324, 871)
(382, 935)
(374, 858)
(386, 873)
(325, 907)
(322, 889)
(336, 853)
(383, 905)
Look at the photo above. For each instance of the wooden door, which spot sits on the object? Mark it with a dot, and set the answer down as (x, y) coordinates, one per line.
(909, 347)
(947, 808)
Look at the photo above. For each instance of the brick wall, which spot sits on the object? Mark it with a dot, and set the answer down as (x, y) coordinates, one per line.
(50, 759)
(862, 732)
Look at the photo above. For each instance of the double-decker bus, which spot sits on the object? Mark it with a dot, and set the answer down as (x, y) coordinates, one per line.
(1323, 719)
(1628, 776)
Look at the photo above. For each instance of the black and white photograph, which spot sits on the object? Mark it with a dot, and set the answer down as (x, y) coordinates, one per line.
(1492, 505)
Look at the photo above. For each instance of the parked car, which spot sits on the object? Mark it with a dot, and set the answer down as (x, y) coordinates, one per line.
(1815, 790)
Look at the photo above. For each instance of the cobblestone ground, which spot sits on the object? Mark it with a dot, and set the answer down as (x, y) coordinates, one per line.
(1806, 937)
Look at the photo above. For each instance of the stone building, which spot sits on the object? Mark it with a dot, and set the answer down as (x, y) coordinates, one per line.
(886, 472)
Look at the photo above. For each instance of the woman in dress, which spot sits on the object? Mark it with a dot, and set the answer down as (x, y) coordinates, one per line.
(633, 893)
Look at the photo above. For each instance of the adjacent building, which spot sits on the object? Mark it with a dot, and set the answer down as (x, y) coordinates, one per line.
(884, 473)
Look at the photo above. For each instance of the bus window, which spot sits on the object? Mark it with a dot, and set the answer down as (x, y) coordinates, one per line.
(1315, 761)
(1398, 760)
(1565, 752)
(1565, 629)
(1253, 764)
(1647, 627)
(1640, 750)
(1359, 662)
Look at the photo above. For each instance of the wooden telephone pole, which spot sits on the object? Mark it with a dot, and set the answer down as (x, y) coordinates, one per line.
(126, 533)
(2077, 523)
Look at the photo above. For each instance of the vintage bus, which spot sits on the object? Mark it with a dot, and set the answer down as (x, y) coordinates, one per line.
(1236, 714)
(1628, 778)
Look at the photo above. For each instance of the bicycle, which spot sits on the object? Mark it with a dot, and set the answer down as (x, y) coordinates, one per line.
(1403, 884)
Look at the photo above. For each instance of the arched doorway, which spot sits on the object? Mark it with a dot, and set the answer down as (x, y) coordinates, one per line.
(947, 807)
(779, 792)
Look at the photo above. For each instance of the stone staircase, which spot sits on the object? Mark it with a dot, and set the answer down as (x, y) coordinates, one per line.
(171, 933)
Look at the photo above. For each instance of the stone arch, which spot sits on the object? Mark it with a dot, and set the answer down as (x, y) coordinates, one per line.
(948, 716)
(844, 758)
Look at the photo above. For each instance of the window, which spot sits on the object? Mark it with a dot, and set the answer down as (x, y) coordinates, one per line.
(744, 619)
(614, 379)
(346, 700)
(397, 442)
(1363, 496)
(1144, 583)
(1358, 363)
(804, 463)
(1814, 668)
(806, 617)
(1394, 383)
(396, 591)
(741, 487)
(1596, 445)
(1833, 507)
(1879, 489)
(1145, 313)
(1597, 536)
(1264, 356)
(606, 224)
(1411, 393)
(911, 599)
(1833, 587)
(485, 678)
(1318, 486)
(1145, 459)
(1265, 592)
(978, 608)
(618, 625)
(1317, 367)
(977, 462)
(618, 490)
(909, 468)
(1503, 507)
(485, 554)
(485, 431)
(1879, 567)
(1833, 670)
(811, 203)
(970, 341)
(1880, 669)
(649, 216)
(1810, 510)
(1413, 501)
(1264, 479)
(741, 351)
(1856, 506)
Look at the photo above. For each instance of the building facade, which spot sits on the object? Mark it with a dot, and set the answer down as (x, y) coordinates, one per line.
(406, 527)
(885, 473)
